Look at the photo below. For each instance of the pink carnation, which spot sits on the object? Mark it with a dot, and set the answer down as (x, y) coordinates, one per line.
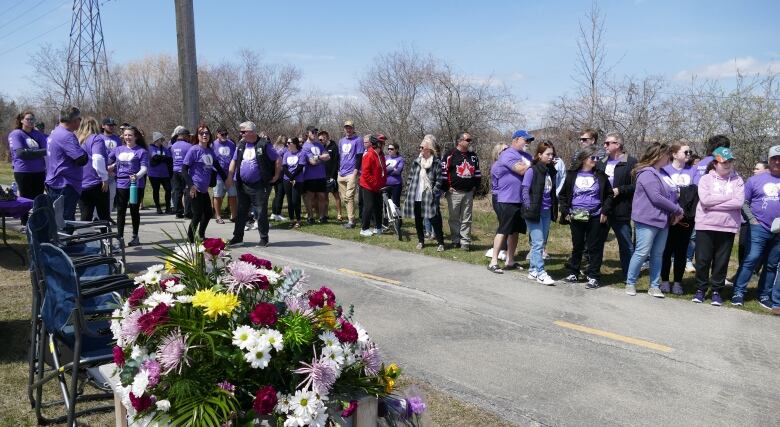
(140, 403)
(119, 356)
(136, 296)
(321, 298)
(257, 262)
(347, 333)
(171, 281)
(350, 409)
(214, 246)
(149, 321)
(265, 400)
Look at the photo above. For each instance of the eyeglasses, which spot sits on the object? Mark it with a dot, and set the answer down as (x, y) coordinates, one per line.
(204, 133)
(391, 148)
(585, 139)
(609, 142)
(595, 158)
(421, 147)
(687, 152)
(243, 131)
(467, 139)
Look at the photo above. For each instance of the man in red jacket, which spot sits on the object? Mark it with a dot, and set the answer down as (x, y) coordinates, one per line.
(373, 177)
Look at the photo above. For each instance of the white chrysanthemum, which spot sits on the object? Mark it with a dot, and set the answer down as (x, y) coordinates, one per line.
(304, 403)
(320, 420)
(363, 338)
(244, 337)
(295, 421)
(273, 337)
(334, 356)
(140, 382)
(259, 356)
(163, 405)
(282, 403)
(156, 268)
(184, 299)
(138, 352)
(349, 358)
(271, 275)
(159, 297)
(329, 339)
(175, 289)
(116, 325)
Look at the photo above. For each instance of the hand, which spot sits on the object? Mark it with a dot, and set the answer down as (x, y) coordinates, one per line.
(615, 191)
(229, 183)
(104, 186)
(132, 177)
(193, 192)
(292, 182)
(676, 218)
(603, 219)
(568, 218)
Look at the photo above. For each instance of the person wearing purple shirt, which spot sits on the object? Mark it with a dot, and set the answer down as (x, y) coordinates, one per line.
(540, 207)
(315, 196)
(652, 211)
(198, 167)
(224, 149)
(111, 141)
(160, 169)
(66, 159)
(276, 206)
(94, 181)
(28, 151)
(255, 168)
(585, 202)
(508, 170)
(712, 143)
(351, 151)
(331, 172)
(130, 162)
(762, 208)
(394, 162)
(293, 164)
(179, 203)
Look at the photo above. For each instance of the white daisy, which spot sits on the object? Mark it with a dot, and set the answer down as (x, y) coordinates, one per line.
(156, 268)
(140, 382)
(175, 289)
(294, 421)
(304, 403)
(163, 405)
(334, 356)
(363, 338)
(244, 337)
(273, 337)
(282, 403)
(329, 339)
(159, 297)
(258, 356)
(184, 299)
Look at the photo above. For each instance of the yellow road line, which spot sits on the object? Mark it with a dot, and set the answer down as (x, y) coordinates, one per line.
(628, 340)
(369, 276)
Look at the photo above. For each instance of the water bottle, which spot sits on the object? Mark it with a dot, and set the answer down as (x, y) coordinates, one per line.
(133, 192)
(15, 188)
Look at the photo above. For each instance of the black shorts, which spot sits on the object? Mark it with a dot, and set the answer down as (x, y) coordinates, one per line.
(331, 186)
(510, 219)
(314, 186)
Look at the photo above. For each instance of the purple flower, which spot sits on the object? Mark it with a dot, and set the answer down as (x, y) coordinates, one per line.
(172, 351)
(372, 362)
(225, 385)
(152, 368)
(130, 326)
(242, 275)
(320, 375)
(350, 409)
(416, 405)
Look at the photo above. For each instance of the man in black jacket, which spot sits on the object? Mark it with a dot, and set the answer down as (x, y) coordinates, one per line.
(331, 171)
(617, 165)
(461, 177)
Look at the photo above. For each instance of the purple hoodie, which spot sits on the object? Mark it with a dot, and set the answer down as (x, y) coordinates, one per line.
(651, 204)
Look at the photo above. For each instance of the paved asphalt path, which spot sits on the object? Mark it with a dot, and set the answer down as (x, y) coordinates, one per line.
(538, 355)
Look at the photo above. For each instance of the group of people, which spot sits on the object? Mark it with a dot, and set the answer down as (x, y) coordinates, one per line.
(656, 205)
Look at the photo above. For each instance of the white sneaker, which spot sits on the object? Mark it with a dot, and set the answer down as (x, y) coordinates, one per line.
(502, 255)
(272, 217)
(655, 292)
(689, 268)
(532, 275)
(280, 218)
(489, 253)
(254, 226)
(631, 290)
(545, 279)
(366, 233)
(378, 231)
(248, 226)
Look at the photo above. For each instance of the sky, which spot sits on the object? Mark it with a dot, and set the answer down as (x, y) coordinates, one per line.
(530, 46)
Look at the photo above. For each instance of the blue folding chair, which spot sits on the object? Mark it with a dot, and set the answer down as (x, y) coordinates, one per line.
(77, 335)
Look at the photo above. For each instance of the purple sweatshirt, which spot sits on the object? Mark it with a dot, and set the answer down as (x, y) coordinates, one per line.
(395, 167)
(651, 204)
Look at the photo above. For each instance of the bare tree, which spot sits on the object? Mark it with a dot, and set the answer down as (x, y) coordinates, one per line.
(591, 55)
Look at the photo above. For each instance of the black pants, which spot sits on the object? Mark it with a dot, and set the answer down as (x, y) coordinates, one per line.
(276, 206)
(293, 193)
(713, 250)
(122, 203)
(435, 223)
(179, 190)
(166, 185)
(587, 235)
(92, 199)
(494, 203)
(676, 245)
(202, 212)
(372, 208)
(256, 197)
(394, 193)
(30, 185)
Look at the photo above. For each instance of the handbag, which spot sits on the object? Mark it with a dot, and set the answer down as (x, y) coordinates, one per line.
(580, 215)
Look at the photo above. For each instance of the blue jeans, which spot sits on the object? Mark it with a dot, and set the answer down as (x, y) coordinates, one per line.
(762, 243)
(70, 200)
(650, 242)
(537, 231)
(692, 246)
(622, 231)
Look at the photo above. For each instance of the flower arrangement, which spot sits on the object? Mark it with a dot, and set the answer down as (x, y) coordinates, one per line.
(209, 340)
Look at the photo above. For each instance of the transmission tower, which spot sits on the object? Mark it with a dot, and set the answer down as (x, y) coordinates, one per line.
(87, 69)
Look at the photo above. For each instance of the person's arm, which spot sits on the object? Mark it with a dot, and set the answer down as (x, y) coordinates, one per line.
(653, 188)
(277, 169)
(564, 198)
(221, 172)
(607, 203)
(99, 164)
(477, 175)
(144, 165)
(29, 153)
(520, 167)
(528, 180)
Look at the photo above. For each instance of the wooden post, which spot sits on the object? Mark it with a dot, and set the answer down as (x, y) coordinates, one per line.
(367, 412)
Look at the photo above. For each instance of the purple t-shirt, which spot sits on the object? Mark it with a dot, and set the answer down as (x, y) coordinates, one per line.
(311, 150)
(160, 170)
(701, 168)
(528, 180)
(395, 169)
(34, 140)
(670, 185)
(93, 145)
(110, 141)
(680, 177)
(609, 170)
(349, 149)
(586, 194)
(63, 149)
(763, 193)
(200, 161)
(128, 162)
(291, 161)
(178, 151)
(249, 169)
(509, 184)
(224, 152)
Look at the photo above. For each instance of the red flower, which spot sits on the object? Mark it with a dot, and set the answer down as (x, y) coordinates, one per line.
(349, 410)
(257, 262)
(140, 403)
(171, 281)
(265, 400)
(264, 314)
(149, 321)
(263, 283)
(136, 296)
(347, 333)
(214, 246)
(119, 356)
(321, 298)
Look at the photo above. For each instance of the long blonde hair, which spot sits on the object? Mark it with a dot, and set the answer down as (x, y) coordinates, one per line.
(87, 127)
(497, 150)
(655, 152)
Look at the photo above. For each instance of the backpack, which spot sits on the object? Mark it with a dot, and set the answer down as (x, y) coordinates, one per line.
(267, 167)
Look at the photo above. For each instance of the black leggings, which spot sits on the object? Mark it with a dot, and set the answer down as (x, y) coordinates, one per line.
(122, 203)
(372, 207)
(435, 223)
(94, 198)
(279, 191)
(166, 185)
(676, 245)
(293, 193)
(202, 212)
(30, 185)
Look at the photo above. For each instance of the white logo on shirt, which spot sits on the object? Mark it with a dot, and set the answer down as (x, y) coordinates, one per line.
(125, 156)
(346, 147)
(31, 143)
(681, 179)
(723, 188)
(207, 159)
(223, 151)
(110, 144)
(315, 150)
(292, 160)
(771, 189)
(547, 184)
(610, 170)
(390, 163)
(584, 182)
(249, 154)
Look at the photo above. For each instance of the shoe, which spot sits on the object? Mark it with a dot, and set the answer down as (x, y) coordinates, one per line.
(655, 292)
(366, 233)
(349, 224)
(545, 255)
(631, 290)
(296, 224)
(545, 279)
(188, 215)
(592, 283)
(716, 299)
(429, 236)
(111, 220)
(737, 300)
(513, 266)
(440, 248)
(272, 217)
(378, 231)
(689, 268)
(489, 253)
(254, 226)
(263, 243)
(677, 289)
(219, 221)
(645, 266)
(665, 287)
(179, 216)
(248, 227)
(419, 246)
(729, 282)
(699, 297)
(532, 275)
(134, 242)
(572, 278)
(324, 220)
(168, 211)
(776, 310)
(765, 303)
(495, 269)
(235, 241)
(159, 211)
(310, 221)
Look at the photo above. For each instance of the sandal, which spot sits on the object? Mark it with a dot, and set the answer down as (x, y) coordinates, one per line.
(219, 221)
(515, 266)
(339, 218)
(495, 269)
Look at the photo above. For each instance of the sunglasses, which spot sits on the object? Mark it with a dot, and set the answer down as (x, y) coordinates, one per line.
(585, 139)
(687, 152)
(204, 133)
(595, 158)
(391, 148)
(467, 139)
(243, 131)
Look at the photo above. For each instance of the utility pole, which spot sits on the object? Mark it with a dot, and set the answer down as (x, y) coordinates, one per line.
(188, 66)
(87, 69)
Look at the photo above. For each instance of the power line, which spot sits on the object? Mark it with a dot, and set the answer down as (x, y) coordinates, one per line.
(21, 14)
(18, 3)
(34, 19)
(34, 38)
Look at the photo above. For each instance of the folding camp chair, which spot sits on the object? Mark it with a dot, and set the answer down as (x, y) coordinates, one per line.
(77, 336)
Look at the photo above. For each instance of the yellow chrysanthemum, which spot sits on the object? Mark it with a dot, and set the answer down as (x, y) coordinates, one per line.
(215, 303)
(389, 376)
(169, 268)
(392, 370)
(389, 385)
(328, 317)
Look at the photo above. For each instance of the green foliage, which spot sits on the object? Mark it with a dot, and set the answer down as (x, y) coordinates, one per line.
(298, 331)
(212, 410)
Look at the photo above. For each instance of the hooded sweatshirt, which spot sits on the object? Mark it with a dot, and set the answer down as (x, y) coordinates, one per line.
(373, 175)
(720, 202)
(651, 204)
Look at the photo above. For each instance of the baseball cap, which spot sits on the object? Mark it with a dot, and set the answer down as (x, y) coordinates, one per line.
(109, 121)
(349, 123)
(182, 131)
(222, 129)
(157, 136)
(523, 134)
(774, 151)
(724, 154)
(381, 137)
